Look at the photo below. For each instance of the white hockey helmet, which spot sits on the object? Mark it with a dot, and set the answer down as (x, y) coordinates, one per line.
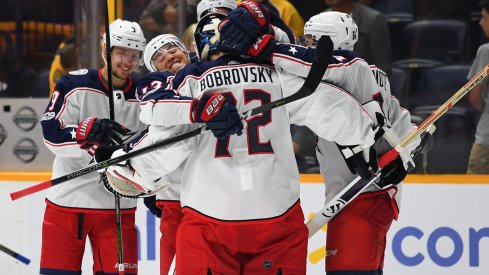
(126, 34)
(337, 25)
(156, 44)
(213, 5)
(206, 35)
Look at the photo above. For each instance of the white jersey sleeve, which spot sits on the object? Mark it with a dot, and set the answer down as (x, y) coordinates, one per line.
(327, 112)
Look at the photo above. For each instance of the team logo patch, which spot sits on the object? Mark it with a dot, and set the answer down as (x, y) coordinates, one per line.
(25, 118)
(26, 150)
(48, 116)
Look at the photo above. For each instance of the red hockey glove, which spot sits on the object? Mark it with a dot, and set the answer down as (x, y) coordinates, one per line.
(220, 115)
(95, 132)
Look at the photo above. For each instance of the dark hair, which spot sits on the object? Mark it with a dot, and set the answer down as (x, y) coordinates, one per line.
(484, 4)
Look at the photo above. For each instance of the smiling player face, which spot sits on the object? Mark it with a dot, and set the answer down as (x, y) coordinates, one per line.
(170, 58)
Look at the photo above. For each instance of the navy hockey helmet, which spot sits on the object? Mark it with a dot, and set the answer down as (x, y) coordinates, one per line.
(206, 35)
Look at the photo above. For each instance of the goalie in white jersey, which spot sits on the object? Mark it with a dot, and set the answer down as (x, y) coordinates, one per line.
(357, 77)
(240, 193)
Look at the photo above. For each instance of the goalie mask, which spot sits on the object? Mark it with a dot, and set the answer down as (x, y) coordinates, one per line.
(206, 6)
(156, 45)
(206, 35)
(126, 34)
(337, 25)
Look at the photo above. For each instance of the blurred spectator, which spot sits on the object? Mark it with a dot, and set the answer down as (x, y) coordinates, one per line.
(159, 17)
(65, 60)
(307, 9)
(479, 97)
(290, 16)
(188, 38)
(16, 77)
(373, 39)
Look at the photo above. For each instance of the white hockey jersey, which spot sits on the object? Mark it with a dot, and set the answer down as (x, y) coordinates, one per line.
(253, 176)
(365, 83)
(78, 95)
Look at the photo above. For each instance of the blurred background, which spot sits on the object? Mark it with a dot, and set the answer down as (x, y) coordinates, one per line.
(429, 48)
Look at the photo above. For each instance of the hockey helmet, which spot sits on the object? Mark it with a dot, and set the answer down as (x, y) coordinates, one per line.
(337, 25)
(126, 34)
(206, 35)
(212, 6)
(156, 44)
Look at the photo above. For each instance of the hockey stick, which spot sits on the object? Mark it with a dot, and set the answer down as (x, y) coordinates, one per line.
(117, 200)
(322, 57)
(351, 191)
(14, 254)
(355, 187)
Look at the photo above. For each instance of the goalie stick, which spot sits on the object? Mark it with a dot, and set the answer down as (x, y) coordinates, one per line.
(323, 53)
(14, 254)
(353, 190)
(355, 187)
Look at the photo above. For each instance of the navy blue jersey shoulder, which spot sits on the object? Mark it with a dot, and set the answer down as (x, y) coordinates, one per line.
(78, 80)
(154, 86)
(348, 55)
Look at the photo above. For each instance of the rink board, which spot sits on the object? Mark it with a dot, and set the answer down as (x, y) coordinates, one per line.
(443, 227)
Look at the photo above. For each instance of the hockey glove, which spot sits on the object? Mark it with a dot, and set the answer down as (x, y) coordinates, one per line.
(393, 169)
(360, 160)
(124, 181)
(220, 115)
(150, 203)
(242, 27)
(95, 132)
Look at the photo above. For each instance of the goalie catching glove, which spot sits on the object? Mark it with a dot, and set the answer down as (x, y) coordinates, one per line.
(94, 132)
(220, 115)
(122, 180)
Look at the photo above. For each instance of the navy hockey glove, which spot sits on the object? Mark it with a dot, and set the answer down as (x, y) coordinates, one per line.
(220, 115)
(242, 27)
(150, 203)
(393, 168)
(95, 132)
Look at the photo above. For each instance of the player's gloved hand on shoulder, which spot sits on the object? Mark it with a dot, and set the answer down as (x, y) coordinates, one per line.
(393, 169)
(360, 160)
(122, 180)
(220, 115)
(150, 203)
(242, 27)
(94, 132)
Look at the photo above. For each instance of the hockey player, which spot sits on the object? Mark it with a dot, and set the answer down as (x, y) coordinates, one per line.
(358, 233)
(164, 56)
(247, 218)
(355, 76)
(74, 125)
